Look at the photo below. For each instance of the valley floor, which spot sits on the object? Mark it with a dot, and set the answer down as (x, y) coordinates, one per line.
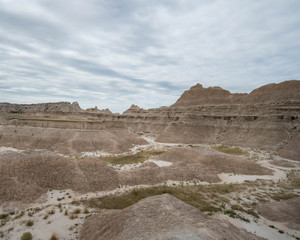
(251, 180)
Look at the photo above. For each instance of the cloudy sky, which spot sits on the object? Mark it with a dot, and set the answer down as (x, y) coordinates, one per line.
(111, 54)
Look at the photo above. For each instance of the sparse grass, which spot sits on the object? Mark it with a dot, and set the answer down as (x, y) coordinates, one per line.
(229, 150)
(294, 178)
(283, 196)
(76, 211)
(233, 214)
(86, 211)
(21, 214)
(29, 223)
(73, 216)
(130, 158)
(26, 236)
(52, 211)
(53, 236)
(193, 195)
(237, 208)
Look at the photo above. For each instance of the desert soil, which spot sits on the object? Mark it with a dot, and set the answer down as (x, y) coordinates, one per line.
(54, 202)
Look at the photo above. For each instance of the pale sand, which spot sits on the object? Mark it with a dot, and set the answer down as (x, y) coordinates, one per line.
(4, 149)
(260, 227)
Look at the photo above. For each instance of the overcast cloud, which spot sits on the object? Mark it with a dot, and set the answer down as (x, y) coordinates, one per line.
(111, 54)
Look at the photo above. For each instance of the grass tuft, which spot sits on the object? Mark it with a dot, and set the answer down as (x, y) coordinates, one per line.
(130, 158)
(230, 150)
(26, 236)
(29, 223)
(53, 236)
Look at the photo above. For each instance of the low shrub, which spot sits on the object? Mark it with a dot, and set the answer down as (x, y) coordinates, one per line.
(26, 236)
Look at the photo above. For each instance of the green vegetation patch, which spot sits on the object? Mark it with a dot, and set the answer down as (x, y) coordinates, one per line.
(229, 150)
(130, 158)
(202, 197)
(26, 236)
(233, 214)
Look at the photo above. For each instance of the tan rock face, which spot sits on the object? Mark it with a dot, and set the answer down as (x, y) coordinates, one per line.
(40, 108)
(266, 118)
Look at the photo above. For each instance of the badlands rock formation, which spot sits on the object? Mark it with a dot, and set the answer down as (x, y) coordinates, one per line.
(162, 218)
(267, 118)
(56, 156)
(40, 108)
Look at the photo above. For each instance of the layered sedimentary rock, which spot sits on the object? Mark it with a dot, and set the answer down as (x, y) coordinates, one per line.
(40, 108)
(266, 118)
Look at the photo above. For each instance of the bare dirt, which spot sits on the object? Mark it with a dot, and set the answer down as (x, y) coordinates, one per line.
(287, 212)
(50, 158)
(159, 217)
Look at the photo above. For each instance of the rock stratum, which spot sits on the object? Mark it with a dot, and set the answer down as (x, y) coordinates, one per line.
(267, 118)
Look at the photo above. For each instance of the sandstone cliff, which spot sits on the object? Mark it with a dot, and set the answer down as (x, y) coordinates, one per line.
(40, 107)
(266, 118)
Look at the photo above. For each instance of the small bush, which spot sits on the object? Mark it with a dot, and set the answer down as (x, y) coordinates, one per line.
(66, 212)
(52, 211)
(73, 216)
(26, 236)
(53, 236)
(3, 215)
(233, 214)
(86, 211)
(76, 211)
(29, 223)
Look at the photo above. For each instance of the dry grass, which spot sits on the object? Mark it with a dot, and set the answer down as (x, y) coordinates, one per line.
(29, 223)
(53, 236)
(283, 196)
(76, 211)
(230, 150)
(201, 197)
(73, 216)
(130, 158)
(294, 178)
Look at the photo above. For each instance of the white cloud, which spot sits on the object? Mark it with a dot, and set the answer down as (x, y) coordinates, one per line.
(114, 53)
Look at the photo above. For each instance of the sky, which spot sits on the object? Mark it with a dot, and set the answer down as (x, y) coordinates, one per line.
(112, 54)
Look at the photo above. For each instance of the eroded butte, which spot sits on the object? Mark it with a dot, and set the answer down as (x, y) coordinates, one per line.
(213, 165)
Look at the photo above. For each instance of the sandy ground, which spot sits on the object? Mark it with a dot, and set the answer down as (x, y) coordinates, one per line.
(261, 227)
(4, 149)
(66, 228)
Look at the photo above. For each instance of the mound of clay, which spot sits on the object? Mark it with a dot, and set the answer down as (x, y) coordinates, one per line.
(161, 217)
(25, 176)
(68, 140)
(287, 212)
(192, 163)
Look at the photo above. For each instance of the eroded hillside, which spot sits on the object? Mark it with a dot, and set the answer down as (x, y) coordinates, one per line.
(228, 157)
